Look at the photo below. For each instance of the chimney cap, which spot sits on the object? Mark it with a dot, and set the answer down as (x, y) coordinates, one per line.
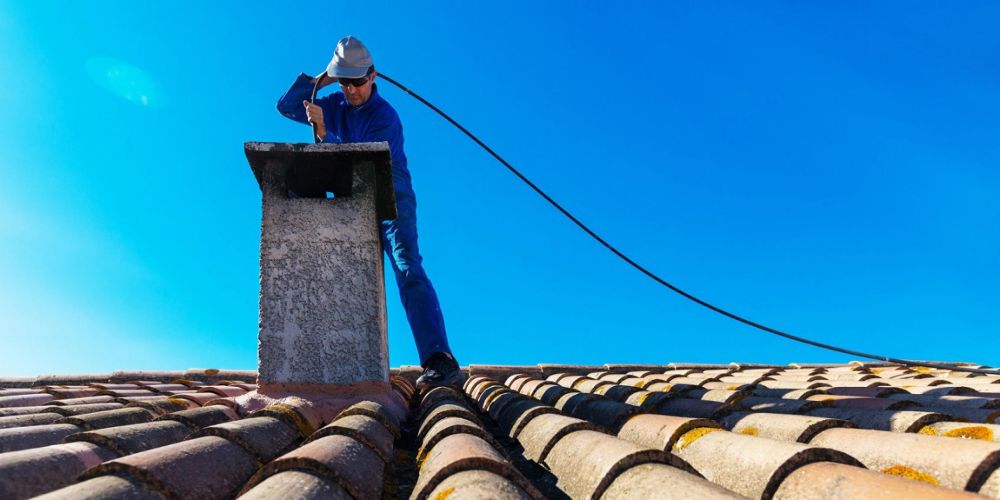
(327, 158)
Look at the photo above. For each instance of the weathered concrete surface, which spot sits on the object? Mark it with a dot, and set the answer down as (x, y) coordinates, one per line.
(322, 299)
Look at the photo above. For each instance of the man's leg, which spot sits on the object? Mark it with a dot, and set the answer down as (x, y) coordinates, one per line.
(399, 239)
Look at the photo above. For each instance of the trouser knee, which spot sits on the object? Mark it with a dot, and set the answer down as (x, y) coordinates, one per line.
(411, 278)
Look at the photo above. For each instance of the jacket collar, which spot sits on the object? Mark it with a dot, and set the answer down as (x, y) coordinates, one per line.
(372, 100)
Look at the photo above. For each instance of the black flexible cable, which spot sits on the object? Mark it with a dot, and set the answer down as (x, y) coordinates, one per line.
(663, 282)
(312, 99)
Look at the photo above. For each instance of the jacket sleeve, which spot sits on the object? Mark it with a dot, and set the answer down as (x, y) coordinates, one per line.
(331, 137)
(388, 129)
(290, 104)
(383, 130)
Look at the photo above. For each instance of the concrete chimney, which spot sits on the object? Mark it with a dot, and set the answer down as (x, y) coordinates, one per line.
(322, 297)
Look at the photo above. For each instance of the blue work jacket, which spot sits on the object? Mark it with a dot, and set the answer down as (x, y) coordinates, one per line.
(373, 121)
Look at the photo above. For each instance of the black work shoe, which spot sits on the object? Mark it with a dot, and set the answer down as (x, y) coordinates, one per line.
(441, 369)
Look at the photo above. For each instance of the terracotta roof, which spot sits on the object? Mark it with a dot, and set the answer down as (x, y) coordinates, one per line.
(541, 431)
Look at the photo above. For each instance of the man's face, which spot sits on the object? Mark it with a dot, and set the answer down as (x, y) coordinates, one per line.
(358, 95)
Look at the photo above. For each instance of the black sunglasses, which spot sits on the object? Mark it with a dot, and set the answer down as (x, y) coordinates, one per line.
(354, 82)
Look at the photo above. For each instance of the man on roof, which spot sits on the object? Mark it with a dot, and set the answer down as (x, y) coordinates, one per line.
(359, 114)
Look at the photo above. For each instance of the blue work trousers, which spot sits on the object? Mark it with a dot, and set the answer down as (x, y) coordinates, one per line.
(399, 240)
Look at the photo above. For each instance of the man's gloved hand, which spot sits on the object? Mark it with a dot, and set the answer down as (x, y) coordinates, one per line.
(315, 115)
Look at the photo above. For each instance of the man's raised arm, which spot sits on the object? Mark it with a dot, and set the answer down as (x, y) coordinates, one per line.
(290, 104)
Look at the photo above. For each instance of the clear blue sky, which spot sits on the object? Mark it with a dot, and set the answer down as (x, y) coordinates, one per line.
(827, 168)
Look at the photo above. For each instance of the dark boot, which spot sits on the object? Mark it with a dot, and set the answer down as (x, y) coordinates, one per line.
(441, 369)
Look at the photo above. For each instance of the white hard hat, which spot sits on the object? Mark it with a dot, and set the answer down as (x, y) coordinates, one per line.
(350, 60)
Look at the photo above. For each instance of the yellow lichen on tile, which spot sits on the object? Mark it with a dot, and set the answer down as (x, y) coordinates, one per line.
(928, 430)
(491, 397)
(732, 387)
(445, 494)
(300, 422)
(736, 398)
(750, 431)
(971, 432)
(666, 388)
(181, 401)
(691, 436)
(910, 473)
(642, 399)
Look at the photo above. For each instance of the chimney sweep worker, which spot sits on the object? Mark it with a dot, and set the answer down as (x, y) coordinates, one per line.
(359, 114)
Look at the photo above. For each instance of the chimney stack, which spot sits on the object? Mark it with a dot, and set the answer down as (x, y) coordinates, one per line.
(322, 295)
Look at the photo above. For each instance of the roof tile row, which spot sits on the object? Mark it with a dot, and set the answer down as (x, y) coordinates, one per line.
(193, 376)
(161, 446)
(452, 441)
(613, 431)
(573, 393)
(587, 463)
